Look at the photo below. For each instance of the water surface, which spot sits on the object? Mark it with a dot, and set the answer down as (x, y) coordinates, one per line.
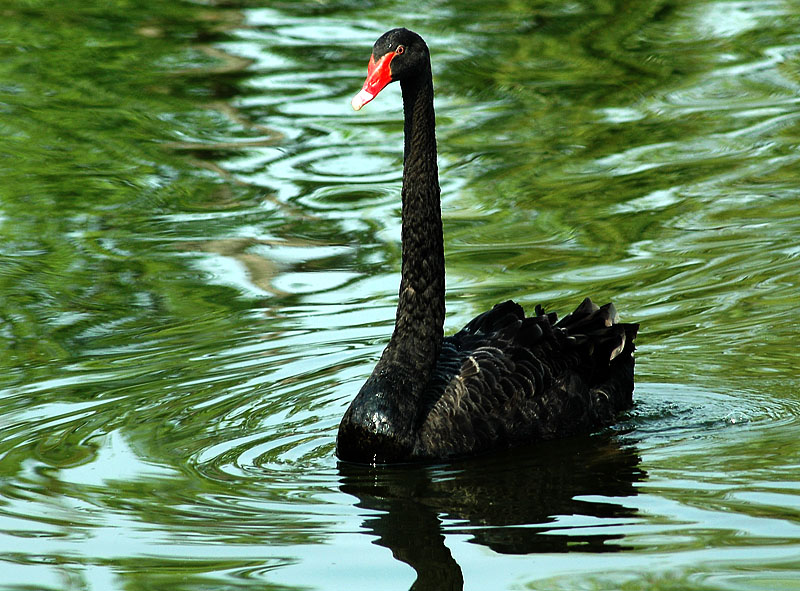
(199, 258)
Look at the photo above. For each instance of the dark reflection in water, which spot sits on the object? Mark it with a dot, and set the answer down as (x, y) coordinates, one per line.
(510, 503)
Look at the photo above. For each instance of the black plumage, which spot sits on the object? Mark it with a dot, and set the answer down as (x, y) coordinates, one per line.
(504, 380)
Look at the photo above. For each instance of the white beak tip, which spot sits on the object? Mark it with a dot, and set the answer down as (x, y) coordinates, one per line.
(361, 99)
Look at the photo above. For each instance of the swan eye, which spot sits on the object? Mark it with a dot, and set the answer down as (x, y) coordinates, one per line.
(400, 50)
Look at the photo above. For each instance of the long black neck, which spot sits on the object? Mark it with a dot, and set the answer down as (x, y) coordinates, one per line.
(379, 424)
(417, 337)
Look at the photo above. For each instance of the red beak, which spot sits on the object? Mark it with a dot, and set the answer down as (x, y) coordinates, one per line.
(378, 75)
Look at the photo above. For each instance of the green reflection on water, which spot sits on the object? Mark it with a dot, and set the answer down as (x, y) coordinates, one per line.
(198, 264)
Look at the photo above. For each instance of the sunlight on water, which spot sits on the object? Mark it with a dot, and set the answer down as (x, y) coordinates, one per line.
(199, 261)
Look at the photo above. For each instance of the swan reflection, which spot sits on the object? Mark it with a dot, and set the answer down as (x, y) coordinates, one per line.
(513, 503)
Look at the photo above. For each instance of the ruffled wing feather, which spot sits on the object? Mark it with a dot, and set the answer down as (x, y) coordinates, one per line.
(505, 379)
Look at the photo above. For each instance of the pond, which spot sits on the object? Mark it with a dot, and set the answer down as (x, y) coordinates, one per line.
(199, 260)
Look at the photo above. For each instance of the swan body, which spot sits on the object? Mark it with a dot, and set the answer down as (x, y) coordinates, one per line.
(505, 379)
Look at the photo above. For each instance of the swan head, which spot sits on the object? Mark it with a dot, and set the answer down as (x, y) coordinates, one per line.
(396, 55)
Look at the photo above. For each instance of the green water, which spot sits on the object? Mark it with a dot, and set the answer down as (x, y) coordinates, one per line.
(199, 258)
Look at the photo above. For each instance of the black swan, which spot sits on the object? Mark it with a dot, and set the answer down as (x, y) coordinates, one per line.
(504, 380)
